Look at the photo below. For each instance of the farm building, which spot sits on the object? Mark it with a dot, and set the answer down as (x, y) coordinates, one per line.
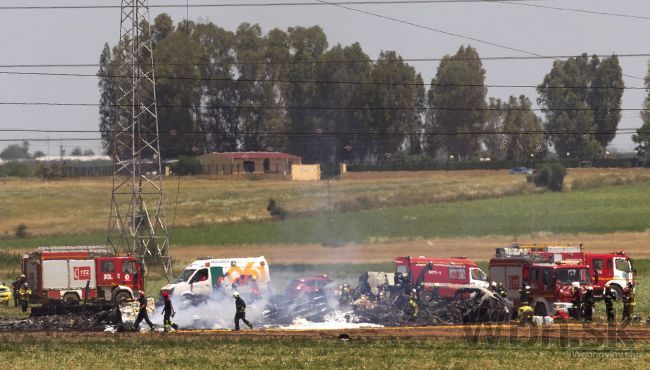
(305, 172)
(247, 162)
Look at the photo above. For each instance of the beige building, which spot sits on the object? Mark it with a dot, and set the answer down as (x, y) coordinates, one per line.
(247, 162)
(305, 172)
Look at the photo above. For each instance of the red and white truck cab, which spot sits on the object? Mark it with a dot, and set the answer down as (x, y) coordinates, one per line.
(449, 274)
(551, 282)
(613, 268)
(74, 274)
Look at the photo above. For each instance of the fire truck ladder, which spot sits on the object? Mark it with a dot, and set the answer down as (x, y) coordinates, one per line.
(95, 249)
(137, 223)
(551, 248)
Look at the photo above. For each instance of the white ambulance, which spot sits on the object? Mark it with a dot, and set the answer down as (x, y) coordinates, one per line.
(206, 275)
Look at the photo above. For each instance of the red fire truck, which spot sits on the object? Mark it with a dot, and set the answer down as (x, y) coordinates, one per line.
(614, 268)
(449, 274)
(551, 282)
(73, 274)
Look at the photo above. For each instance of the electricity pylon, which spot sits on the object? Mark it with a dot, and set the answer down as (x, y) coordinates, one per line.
(137, 223)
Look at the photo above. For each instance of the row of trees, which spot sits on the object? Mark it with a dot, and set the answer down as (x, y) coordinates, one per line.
(219, 90)
(21, 151)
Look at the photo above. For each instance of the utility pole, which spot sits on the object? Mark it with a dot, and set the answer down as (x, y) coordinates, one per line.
(137, 222)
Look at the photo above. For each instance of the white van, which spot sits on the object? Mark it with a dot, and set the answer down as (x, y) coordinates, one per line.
(203, 276)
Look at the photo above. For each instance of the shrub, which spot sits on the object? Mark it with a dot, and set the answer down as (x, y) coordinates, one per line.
(21, 231)
(49, 171)
(329, 171)
(276, 212)
(550, 176)
(187, 166)
(17, 169)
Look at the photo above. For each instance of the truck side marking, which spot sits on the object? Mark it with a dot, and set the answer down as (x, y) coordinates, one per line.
(82, 273)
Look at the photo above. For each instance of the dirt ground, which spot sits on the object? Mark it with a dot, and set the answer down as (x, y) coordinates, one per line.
(596, 333)
(636, 244)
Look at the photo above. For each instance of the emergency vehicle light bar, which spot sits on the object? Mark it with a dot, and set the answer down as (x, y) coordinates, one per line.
(553, 248)
(97, 249)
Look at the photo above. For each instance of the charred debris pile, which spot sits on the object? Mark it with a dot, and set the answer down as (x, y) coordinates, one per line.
(381, 303)
(392, 307)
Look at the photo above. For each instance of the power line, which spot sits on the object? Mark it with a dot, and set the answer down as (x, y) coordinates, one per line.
(635, 77)
(175, 133)
(243, 4)
(343, 5)
(373, 83)
(502, 46)
(610, 14)
(357, 135)
(301, 107)
(342, 61)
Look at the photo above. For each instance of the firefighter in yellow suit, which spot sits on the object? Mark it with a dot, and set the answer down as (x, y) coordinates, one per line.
(525, 314)
(25, 292)
(413, 304)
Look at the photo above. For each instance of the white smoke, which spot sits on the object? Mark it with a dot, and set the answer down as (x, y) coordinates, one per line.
(217, 311)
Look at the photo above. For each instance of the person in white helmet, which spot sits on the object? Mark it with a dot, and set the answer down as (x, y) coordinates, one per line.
(576, 300)
(240, 311)
(588, 302)
(524, 294)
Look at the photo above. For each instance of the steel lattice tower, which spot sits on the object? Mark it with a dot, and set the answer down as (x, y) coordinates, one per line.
(137, 223)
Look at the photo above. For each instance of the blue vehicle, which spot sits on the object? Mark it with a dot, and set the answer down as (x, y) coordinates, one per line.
(521, 171)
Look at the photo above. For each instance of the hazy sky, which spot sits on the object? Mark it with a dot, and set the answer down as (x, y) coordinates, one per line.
(77, 36)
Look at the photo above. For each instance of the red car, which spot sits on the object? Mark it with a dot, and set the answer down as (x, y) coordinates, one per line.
(307, 285)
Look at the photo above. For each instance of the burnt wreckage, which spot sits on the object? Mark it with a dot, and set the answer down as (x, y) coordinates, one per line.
(382, 301)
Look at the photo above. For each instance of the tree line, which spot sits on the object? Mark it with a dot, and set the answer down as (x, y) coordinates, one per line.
(21, 151)
(246, 90)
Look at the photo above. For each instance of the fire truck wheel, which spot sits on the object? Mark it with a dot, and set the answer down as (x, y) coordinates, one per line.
(618, 292)
(122, 296)
(71, 298)
(540, 309)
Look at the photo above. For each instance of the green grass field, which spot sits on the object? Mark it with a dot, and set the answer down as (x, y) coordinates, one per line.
(152, 352)
(599, 210)
(81, 205)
